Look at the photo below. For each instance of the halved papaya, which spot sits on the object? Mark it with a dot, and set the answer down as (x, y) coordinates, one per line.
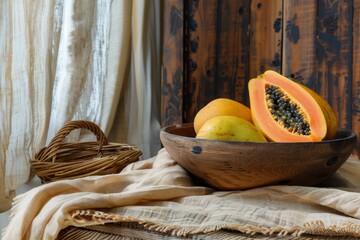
(284, 111)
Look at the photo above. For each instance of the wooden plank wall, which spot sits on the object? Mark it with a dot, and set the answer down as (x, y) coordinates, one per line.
(217, 52)
(355, 93)
(219, 45)
(172, 87)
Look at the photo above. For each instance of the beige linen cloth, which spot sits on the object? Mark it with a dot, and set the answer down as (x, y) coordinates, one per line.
(159, 194)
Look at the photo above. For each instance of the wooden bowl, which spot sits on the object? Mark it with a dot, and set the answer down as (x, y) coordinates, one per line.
(230, 165)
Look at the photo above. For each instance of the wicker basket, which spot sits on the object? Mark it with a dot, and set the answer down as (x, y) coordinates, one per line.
(68, 160)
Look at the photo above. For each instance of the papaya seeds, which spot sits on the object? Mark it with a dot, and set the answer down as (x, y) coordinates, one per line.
(286, 112)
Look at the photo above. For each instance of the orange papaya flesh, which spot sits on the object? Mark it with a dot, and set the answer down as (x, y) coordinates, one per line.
(284, 111)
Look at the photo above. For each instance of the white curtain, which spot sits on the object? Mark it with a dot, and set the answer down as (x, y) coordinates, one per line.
(63, 60)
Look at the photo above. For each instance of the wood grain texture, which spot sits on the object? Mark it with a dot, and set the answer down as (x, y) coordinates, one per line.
(334, 58)
(173, 69)
(201, 55)
(244, 165)
(299, 41)
(217, 52)
(355, 101)
(265, 36)
(232, 50)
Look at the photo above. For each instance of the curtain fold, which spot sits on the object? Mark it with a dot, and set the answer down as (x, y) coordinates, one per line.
(138, 123)
(70, 60)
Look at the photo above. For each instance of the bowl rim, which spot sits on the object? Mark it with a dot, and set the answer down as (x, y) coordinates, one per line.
(351, 134)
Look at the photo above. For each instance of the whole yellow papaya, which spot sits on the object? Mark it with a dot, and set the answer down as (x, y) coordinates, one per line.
(221, 107)
(230, 128)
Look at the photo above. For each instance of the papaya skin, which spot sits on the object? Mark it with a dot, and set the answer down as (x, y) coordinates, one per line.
(328, 111)
(221, 107)
(272, 126)
(230, 128)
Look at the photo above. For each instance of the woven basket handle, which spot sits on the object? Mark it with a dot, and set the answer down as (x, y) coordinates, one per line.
(54, 145)
(72, 125)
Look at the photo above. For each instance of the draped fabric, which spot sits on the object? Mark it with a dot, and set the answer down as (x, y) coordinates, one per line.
(70, 60)
(161, 197)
